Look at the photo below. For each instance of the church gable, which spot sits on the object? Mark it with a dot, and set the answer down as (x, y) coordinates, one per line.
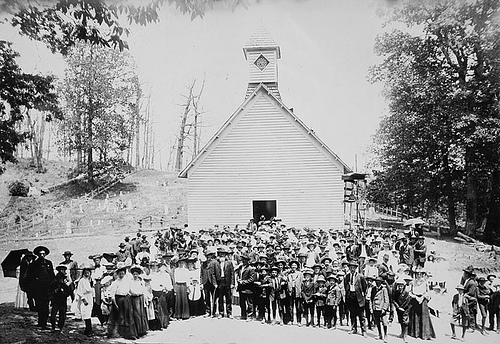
(264, 136)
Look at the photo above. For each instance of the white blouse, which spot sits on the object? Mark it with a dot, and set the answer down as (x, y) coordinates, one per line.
(120, 287)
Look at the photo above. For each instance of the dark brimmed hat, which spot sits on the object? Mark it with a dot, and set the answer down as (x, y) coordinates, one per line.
(321, 278)
(39, 249)
(67, 253)
(326, 258)
(122, 244)
(274, 267)
(61, 267)
(293, 261)
(379, 278)
(136, 268)
(481, 279)
(245, 257)
(469, 270)
(331, 276)
(353, 263)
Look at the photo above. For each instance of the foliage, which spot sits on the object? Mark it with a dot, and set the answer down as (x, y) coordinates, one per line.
(18, 188)
(20, 92)
(100, 93)
(440, 139)
(62, 23)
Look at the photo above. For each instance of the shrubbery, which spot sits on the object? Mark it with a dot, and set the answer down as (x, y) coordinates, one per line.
(18, 188)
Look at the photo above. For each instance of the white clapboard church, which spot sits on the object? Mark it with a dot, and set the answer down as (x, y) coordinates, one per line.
(265, 160)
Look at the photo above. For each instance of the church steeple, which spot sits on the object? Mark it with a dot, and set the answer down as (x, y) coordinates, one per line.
(262, 53)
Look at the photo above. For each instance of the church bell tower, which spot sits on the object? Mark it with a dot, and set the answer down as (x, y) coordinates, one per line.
(262, 54)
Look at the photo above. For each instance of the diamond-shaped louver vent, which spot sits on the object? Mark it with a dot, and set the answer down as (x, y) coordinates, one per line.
(261, 62)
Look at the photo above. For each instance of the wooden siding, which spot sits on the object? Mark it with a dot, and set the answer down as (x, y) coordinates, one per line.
(269, 74)
(265, 155)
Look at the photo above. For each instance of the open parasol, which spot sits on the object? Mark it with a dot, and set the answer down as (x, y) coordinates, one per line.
(413, 222)
(12, 261)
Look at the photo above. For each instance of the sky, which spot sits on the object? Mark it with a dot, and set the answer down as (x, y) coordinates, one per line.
(326, 50)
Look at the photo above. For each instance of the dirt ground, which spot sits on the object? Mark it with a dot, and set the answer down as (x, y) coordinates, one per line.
(17, 326)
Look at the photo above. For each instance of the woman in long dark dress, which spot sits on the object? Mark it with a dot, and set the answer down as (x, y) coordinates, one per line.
(121, 319)
(137, 291)
(181, 278)
(161, 283)
(420, 324)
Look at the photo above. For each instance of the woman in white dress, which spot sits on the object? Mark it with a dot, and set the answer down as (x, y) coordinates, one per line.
(85, 298)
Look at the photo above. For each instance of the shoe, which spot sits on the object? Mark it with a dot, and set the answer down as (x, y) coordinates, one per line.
(230, 316)
(353, 332)
(219, 316)
(363, 334)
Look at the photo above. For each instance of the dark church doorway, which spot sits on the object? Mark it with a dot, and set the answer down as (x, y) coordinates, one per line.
(266, 208)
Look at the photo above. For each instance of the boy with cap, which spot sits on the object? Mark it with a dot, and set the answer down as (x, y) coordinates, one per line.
(333, 299)
(308, 289)
(483, 298)
(380, 306)
(320, 294)
(59, 295)
(460, 316)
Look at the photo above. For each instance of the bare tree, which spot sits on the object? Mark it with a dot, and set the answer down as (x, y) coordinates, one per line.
(190, 119)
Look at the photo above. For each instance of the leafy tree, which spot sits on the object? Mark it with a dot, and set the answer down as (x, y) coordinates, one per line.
(442, 84)
(19, 93)
(62, 23)
(100, 94)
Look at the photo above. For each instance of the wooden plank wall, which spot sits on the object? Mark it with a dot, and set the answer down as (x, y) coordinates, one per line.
(264, 155)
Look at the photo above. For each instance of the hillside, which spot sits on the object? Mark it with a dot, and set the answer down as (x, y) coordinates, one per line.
(65, 210)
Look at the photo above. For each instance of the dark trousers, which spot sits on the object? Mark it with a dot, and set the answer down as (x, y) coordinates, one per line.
(263, 307)
(58, 308)
(369, 320)
(41, 296)
(356, 311)
(343, 312)
(223, 293)
(170, 300)
(320, 310)
(246, 304)
(296, 303)
(210, 298)
(308, 308)
(330, 314)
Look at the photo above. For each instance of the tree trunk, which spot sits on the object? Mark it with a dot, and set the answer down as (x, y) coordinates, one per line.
(450, 197)
(471, 202)
(492, 228)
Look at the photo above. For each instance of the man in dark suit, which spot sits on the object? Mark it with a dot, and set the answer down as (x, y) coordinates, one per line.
(210, 286)
(225, 283)
(246, 281)
(355, 288)
(470, 293)
(41, 276)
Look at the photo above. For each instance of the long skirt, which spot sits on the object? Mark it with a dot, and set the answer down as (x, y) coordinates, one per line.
(21, 298)
(140, 315)
(121, 319)
(420, 325)
(197, 307)
(181, 301)
(162, 316)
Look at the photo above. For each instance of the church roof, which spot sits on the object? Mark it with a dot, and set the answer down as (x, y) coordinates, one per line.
(261, 39)
(226, 126)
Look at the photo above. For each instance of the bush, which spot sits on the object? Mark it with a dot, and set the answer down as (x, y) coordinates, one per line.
(19, 188)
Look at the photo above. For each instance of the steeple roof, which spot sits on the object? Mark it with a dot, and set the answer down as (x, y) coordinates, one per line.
(261, 40)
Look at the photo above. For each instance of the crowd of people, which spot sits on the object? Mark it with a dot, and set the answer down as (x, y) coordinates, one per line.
(275, 273)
